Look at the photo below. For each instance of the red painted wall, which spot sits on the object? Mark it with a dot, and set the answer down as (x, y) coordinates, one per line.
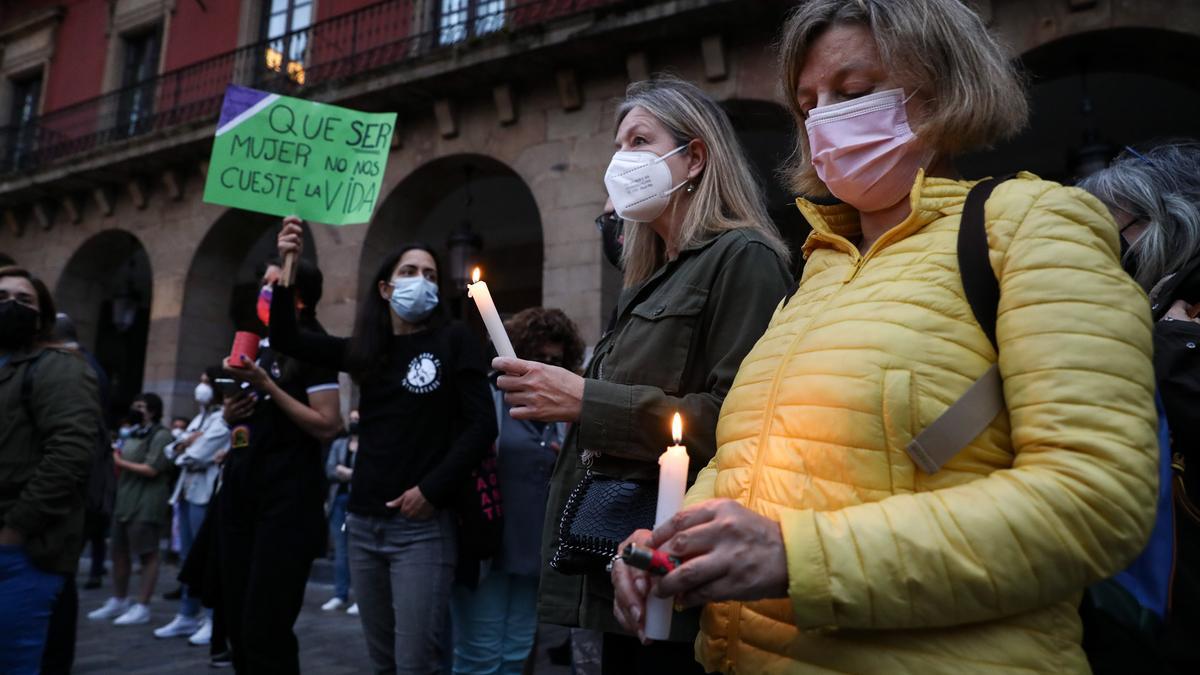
(197, 34)
(77, 69)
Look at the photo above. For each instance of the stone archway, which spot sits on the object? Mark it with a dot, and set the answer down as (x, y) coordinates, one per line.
(1093, 93)
(433, 203)
(106, 288)
(220, 291)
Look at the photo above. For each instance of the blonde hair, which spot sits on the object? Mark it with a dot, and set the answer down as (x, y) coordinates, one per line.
(976, 94)
(726, 195)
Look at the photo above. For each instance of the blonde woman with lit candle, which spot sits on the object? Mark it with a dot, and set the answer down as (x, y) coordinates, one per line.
(823, 538)
(704, 268)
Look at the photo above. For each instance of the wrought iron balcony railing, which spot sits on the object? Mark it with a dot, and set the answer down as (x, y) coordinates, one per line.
(377, 36)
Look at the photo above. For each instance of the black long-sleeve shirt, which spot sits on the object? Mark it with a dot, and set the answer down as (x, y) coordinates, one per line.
(427, 419)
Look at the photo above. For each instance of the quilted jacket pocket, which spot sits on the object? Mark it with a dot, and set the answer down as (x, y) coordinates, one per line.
(899, 398)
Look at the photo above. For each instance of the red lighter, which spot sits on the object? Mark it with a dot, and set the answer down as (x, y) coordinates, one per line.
(652, 560)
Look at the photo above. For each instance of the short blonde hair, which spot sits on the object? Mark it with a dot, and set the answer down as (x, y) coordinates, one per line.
(938, 46)
(726, 197)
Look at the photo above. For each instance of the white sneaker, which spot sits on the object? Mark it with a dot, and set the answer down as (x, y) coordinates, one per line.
(180, 626)
(353, 611)
(202, 636)
(112, 607)
(333, 604)
(135, 615)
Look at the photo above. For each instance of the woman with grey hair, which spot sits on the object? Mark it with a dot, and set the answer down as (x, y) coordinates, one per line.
(704, 268)
(863, 513)
(1154, 197)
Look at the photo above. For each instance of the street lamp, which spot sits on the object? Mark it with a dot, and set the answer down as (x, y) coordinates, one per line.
(126, 303)
(464, 245)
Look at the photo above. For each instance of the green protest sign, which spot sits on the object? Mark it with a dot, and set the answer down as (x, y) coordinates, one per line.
(281, 155)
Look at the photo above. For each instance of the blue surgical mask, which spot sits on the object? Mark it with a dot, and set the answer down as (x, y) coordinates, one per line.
(414, 298)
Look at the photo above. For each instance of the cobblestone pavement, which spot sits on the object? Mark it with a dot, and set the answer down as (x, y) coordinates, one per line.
(331, 643)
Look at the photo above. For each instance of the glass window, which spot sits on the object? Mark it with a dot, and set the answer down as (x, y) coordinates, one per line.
(22, 126)
(136, 104)
(285, 27)
(460, 19)
(26, 94)
(489, 16)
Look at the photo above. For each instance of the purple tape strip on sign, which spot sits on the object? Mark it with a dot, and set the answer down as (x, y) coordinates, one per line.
(237, 101)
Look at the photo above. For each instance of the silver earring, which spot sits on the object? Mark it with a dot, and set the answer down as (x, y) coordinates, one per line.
(691, 187)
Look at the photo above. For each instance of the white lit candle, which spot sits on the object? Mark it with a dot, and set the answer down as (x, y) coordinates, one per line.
(672, 484)
(478, 291)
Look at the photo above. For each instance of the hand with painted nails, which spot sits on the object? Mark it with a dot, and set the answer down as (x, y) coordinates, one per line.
(631, 587)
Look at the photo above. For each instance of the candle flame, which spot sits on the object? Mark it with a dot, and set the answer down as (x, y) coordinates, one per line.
(677, 429)
(475, 275)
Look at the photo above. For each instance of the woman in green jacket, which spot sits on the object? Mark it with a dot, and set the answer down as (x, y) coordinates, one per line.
(49, 414)
(704, 269)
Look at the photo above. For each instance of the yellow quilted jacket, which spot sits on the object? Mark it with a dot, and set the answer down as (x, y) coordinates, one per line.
(980, 567)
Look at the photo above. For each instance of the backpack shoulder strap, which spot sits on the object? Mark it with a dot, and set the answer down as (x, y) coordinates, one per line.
(979, 282)
(967, 417)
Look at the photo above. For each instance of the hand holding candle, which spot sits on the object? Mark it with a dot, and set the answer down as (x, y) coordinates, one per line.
(672, 484)
(478, 291)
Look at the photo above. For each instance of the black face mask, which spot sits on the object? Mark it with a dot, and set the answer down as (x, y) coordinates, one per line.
(612, 237)
(354, 428)
(18, 324)
(1127, 261)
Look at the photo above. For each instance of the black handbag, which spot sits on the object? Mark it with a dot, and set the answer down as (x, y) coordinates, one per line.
(599, 514)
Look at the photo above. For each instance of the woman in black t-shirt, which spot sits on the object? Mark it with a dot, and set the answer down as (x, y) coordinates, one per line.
(271, 504)
(426, 419)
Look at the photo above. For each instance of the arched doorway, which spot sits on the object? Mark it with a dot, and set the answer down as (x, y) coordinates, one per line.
(768, 134)
(105, 288)
(221, 288)
(474, 210)
(1094, 93)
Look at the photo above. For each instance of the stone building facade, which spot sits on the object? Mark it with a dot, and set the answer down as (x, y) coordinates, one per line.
(505, 129)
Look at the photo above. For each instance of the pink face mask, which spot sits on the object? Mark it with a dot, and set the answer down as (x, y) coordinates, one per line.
(864, 151)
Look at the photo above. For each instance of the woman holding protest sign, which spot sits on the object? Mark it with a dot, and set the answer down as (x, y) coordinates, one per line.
(270, 508)
(426, 419)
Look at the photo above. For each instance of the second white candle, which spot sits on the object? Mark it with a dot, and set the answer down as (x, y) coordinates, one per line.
(672, 485)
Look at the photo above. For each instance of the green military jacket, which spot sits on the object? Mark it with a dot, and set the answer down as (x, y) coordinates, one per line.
(676, 343)
(142, 499)
(45, 458)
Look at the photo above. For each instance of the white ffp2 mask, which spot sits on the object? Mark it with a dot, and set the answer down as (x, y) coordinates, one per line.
(639, 184)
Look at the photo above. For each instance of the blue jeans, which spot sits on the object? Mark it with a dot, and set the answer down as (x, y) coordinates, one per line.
(190, 517)
(494, 625)
(402, 571)
(27, 597)
(341, 546)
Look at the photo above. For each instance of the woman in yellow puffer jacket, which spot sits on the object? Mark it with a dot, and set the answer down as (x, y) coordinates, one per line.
(814, 540)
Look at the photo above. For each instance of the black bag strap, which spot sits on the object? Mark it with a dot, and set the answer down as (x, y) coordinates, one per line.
(967, 417)
(978, 280)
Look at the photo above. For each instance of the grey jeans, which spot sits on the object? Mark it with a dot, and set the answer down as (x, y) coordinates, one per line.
(402, 571)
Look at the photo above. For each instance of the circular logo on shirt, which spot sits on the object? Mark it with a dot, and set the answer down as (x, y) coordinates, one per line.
(424, 374)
